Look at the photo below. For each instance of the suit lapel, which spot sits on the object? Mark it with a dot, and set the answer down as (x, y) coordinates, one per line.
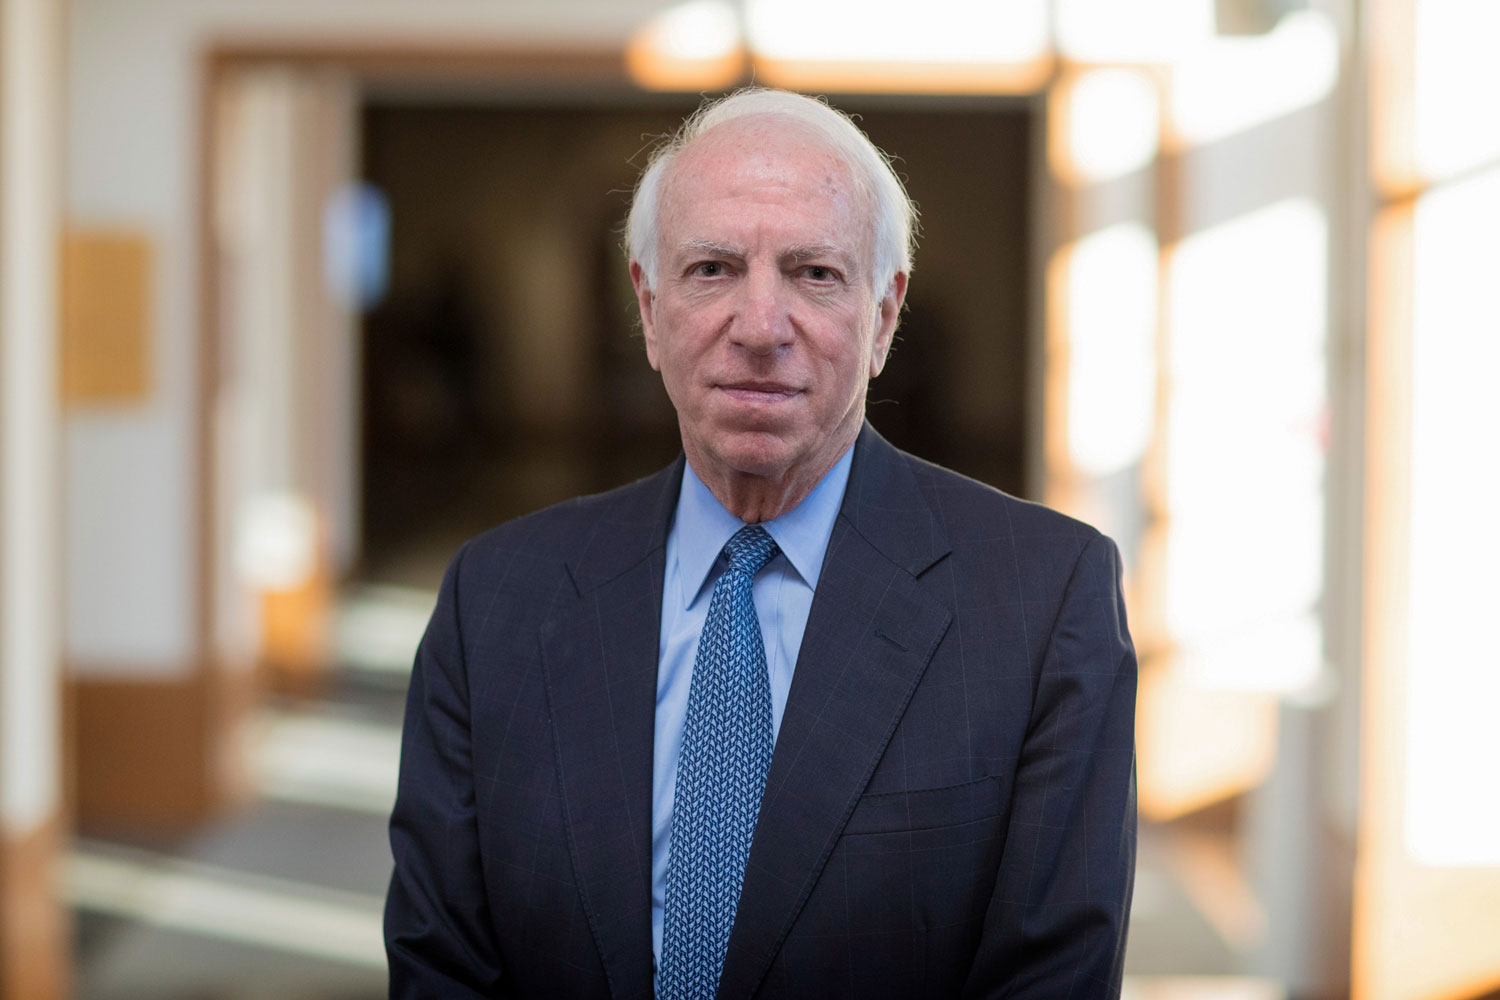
(600, 661)
(869, 637)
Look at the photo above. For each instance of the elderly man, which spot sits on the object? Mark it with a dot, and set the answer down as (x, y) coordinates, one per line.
(799, 716)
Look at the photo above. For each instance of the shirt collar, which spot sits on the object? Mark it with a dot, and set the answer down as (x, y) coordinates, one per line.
(703, 527)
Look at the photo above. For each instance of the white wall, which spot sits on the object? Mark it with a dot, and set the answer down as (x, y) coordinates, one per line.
(134, 73)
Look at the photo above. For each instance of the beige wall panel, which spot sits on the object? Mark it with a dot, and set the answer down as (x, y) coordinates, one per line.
(106, 317)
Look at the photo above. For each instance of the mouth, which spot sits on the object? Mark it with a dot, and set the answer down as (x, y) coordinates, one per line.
(754, 391)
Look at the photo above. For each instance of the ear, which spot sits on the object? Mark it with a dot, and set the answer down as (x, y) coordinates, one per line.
(886, 320)
(647, 303)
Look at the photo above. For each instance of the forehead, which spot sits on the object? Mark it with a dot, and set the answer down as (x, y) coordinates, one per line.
(766, 167)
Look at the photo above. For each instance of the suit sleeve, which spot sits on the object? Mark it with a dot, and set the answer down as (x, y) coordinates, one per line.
(1056, 924)
(437, 920)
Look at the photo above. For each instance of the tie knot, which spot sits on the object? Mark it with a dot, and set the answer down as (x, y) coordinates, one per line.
(750, 549)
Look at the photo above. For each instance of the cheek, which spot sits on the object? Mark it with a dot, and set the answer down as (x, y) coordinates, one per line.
(683, 350)
(677, 364)
(851, 361)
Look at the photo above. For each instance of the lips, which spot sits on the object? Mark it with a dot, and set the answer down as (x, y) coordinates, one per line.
(757, 391)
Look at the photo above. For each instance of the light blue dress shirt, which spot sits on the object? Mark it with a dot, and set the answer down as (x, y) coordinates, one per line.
(783, 593)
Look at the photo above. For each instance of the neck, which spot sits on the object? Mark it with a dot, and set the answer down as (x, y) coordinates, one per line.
(757, 498)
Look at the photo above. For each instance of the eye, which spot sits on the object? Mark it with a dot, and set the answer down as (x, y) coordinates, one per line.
(708, 269)
(820, 273)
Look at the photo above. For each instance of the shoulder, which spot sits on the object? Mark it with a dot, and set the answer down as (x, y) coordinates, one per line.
(994, 535)
(916, 513)
(965, 506)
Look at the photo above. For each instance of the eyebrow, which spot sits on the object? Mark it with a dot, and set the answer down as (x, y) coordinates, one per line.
(814, 251)
(709, 247)
(797, 253)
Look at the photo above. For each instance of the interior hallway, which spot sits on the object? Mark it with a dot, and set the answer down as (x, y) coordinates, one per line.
(1251, 335)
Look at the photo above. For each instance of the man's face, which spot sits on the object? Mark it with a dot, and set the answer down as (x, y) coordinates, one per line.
(763, 321)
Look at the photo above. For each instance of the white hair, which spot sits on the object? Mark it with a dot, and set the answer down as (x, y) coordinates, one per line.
(894, 215)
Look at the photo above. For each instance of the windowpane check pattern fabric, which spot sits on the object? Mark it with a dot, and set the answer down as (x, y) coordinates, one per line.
(726, 752)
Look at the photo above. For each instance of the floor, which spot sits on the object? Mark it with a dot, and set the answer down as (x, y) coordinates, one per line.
(283, 899)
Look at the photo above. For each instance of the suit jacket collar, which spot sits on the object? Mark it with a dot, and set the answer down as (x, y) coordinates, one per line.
(882, 502)
(885, 505)
(632, 526)
(869, 636)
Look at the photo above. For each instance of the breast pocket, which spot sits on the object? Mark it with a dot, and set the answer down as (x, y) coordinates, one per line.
(926, 808)
(925, 858)
(905, 890)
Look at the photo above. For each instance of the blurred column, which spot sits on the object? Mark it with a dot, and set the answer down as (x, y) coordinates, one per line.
(1101, 311)
(1427, 894)
(33, 923)
(287, 243)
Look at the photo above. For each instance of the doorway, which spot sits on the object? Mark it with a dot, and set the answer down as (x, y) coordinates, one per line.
(503, 369)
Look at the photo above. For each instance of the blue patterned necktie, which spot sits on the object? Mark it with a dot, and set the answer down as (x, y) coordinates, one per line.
(721, 772)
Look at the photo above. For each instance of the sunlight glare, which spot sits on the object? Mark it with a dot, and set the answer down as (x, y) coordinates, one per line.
(937, 31)
(1113, 124)
(1453, 665)
(1456, 79)
(1233, 84)
(1111, 310)
(1246, 371)
(1108, 31)
(693, 45)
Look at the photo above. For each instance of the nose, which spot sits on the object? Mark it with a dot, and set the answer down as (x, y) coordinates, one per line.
(763, 323)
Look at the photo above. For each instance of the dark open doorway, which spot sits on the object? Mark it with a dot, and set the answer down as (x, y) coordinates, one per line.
(503, 370)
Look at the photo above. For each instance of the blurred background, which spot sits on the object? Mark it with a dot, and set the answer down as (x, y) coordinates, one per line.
(297, 294)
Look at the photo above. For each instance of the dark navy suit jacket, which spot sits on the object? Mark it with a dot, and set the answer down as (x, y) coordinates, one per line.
(950, 809)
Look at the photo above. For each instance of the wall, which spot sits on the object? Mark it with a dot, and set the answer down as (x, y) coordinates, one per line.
(134, 73)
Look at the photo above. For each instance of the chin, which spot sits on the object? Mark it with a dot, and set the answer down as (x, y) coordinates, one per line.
(755, 453)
